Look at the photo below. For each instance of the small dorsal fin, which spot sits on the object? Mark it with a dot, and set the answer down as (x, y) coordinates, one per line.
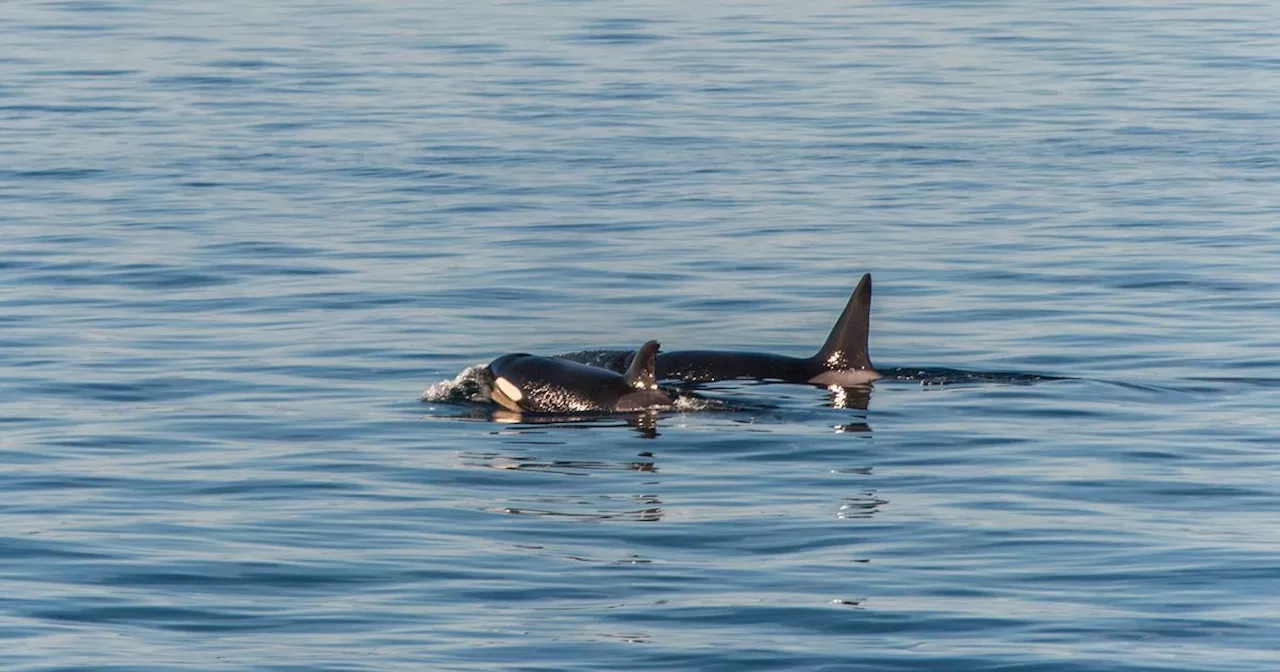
(846, 346)
(640, 374)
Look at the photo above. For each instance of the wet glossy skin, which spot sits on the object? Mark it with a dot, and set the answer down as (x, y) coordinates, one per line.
(842, 359)
(703, 366)
(552, 385)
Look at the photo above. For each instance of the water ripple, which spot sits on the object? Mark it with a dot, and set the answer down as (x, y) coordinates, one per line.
(240, 239)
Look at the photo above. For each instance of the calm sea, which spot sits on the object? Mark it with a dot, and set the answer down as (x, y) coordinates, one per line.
(239, 239)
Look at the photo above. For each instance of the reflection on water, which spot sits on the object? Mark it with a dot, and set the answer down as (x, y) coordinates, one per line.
(645, 423)
(641, 507)
(564, 507)
(849, 397)
(863, 505)
(564, 467)
(624, 498)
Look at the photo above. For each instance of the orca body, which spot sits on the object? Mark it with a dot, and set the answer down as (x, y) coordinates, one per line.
(843, 359)
(532, 384)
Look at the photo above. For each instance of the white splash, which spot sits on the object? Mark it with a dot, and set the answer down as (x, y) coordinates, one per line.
(470, 385)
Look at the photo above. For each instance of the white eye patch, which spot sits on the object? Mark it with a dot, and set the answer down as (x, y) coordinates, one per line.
(511, 391)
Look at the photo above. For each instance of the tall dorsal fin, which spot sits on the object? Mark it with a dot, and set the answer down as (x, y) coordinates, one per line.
(846, 346)
(640, 374)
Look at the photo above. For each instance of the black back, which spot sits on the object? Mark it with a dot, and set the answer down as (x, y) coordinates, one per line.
(845, 348)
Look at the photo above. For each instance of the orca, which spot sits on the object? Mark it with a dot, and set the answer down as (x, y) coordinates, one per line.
(842, 360)
(532, 384)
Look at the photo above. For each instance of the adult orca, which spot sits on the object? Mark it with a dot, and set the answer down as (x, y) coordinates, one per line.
(532, 384)
(843, 359)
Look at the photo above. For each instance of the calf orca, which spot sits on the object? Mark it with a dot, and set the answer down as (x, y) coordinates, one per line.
(531, 384)
(842, 360)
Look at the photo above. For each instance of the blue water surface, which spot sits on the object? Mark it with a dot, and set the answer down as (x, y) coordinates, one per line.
(238, 240)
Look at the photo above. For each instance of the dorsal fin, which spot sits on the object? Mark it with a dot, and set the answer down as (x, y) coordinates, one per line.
(640, 374)
(846, 346)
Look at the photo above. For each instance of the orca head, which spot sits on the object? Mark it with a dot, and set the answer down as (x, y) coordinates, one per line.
(505, 390)
(527, 383)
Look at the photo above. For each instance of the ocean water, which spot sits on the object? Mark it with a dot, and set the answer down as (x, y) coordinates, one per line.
(239, 240)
